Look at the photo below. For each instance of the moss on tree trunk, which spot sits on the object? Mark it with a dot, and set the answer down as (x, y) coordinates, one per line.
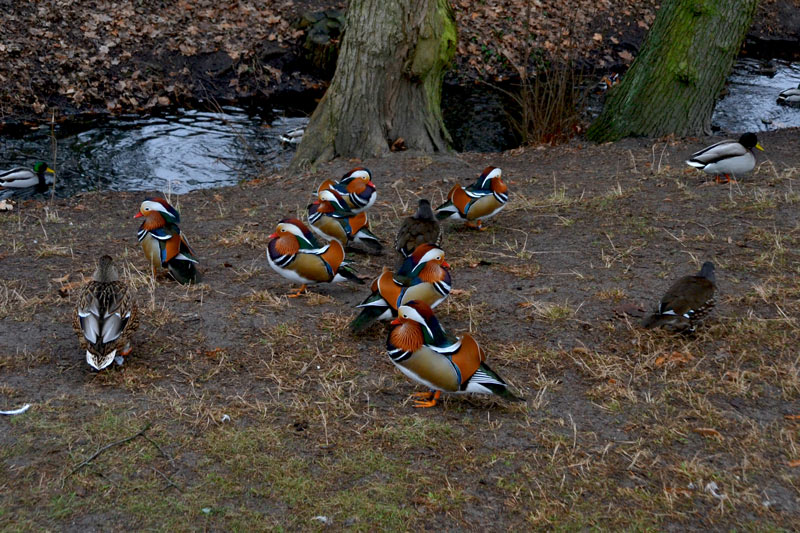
(675, 80)
(387, 85)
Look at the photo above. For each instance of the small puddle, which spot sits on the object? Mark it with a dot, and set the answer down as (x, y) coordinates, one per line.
(750, 103)
(176, 152)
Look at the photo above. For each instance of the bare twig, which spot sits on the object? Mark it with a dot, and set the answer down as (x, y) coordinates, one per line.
(160, 449)
(107, 446)
(53, 152)
(168, 480)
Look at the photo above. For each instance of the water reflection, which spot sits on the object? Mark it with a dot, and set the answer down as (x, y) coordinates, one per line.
(750, 104)
(177, 152)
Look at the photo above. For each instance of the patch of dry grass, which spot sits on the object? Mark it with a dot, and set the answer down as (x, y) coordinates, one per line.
(267, 413)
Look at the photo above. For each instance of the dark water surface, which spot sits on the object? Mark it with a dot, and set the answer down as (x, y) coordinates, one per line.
(190, 149)
(177, 152)
(750, 102)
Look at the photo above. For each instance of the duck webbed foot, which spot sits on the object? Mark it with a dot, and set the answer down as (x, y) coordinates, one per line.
(426, 399)
(299, 292)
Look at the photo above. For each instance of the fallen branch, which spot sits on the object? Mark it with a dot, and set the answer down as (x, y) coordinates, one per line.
(168, 480)
(165, 454)
(107, 446)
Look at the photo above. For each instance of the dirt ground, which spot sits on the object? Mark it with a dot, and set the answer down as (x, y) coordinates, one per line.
(265, 413)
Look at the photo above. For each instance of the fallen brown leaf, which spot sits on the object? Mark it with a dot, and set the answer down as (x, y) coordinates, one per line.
(633, 309)
(794, 463)
(675, 358)
(398, 145)
(708, 432)
(64, 290)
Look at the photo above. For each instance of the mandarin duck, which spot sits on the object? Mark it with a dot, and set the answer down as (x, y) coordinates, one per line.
(606, 82)
(355, 188)
(20, 178)
(789, 97)
(478, 202)
(727, 158)
(686, 302)
(329, 221)
(295, 254)
(420, 228)
(423, 351)
(105, 316)
(424, 276)
(163, 243)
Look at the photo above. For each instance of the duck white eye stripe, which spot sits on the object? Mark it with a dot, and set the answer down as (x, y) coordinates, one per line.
(291, 228)
(493, 174)
(155, 206)
(430, 255)
(360, 174)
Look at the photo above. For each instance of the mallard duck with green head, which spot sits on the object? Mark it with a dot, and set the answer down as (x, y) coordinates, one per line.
(23, 178)
(727, 158)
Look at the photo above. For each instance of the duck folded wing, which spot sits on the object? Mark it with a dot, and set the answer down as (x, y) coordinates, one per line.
(312, 267)
(103, 313)
(483, 207)
(430, 368)
(687, 296)
(468, 358)
(333, 254)
(717, 152)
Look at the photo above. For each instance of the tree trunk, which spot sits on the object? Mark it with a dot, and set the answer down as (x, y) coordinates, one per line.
(387, 85)
(675, 80)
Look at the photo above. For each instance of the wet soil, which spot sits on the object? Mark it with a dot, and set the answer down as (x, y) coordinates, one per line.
(612, 414)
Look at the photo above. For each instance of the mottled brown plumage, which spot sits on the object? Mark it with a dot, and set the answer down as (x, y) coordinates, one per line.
(418, 229)
(686, 302)
(105, 316)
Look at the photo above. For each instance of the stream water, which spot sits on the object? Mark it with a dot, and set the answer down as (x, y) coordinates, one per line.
(191, 149)
(177, 152)
(750, 102)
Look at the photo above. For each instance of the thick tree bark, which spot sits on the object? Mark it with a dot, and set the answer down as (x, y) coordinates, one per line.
(387, 85)
(675, 80)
